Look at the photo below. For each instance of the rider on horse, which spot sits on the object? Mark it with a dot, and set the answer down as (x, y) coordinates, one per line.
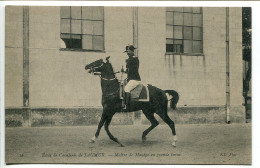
(133, 77)
(112, 102)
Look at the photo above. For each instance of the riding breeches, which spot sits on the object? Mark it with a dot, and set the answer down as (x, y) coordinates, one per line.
(131, 85)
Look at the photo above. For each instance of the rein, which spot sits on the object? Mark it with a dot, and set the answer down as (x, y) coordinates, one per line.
(107, 79)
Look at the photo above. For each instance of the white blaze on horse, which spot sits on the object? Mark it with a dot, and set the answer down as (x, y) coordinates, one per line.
(156, 101)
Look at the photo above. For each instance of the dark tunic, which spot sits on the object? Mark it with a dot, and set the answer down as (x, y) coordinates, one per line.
(132, 67)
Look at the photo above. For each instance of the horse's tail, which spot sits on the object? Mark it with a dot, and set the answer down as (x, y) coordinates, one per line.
(175, 98)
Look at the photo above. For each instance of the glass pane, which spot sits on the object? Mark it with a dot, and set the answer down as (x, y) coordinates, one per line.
(169, 41)
(65, 26)
(187, 46)
(197, 20)
(76, 26)
(177, 32)
(75, 36)
(169, 48)
(76, 43)
(98, 42)
(87, 42)
(65, 11)
(98, 27)
(187, 19)
(72, 43)
(169, 31)
(188, 33)
(196, 10)
(177, 42)
(67, 42)
(169, 45)
(76, 12)
(169, 18)
(98, 13)
(197, 33)
(177, 48)
(66, 36)
(178, 9)
(87, 12)
(197, 46)
(187, 9)
(87, 27)
(178, 18)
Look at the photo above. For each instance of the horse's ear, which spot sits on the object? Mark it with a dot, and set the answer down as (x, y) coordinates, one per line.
(107, 58)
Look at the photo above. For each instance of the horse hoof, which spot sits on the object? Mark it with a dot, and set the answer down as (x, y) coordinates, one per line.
(91, 141)
(174, 143)
(121, 145)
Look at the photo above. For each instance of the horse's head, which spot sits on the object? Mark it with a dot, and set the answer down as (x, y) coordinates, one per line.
(94, 65)
(105, 69)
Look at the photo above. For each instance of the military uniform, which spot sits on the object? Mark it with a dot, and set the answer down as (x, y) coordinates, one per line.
(133, 77)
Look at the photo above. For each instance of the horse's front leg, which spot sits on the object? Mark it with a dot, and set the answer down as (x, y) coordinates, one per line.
(100, 125)
(108, 121)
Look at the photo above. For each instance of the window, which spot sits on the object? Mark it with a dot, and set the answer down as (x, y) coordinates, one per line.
(184, 30)
(82, 27)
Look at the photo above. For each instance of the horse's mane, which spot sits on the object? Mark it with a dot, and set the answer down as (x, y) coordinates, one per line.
(109, 67)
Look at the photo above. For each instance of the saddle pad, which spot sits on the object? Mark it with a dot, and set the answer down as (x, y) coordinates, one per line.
(135, 93)
(140, 93)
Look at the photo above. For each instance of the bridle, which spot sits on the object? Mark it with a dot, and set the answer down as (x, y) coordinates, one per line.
(99, 65)
(93, 71)
(107, 79)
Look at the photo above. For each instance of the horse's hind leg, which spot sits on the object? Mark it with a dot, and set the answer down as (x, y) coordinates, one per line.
(150, 116)
(108, 121)
(170, 123)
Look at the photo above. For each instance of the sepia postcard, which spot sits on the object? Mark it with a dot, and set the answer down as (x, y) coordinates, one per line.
(166, 85)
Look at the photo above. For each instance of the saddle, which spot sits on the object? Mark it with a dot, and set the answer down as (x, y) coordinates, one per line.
(139, 93)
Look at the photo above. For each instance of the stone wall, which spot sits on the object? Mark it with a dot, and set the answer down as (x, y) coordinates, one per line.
(40, 117)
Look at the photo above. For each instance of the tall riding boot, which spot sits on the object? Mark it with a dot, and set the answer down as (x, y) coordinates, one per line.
(124, 102)
(128, 99)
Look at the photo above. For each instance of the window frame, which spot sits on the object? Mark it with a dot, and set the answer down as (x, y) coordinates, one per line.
(182, 11)
(81, 33)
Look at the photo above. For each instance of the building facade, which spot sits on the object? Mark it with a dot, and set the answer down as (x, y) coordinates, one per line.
(195, 51)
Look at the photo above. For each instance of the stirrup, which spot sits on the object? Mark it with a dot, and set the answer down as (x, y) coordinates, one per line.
(124, 109)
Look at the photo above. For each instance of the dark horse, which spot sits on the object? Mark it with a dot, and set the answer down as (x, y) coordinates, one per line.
(112, 103)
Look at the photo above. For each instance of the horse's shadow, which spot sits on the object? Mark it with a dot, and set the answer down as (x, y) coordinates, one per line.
(140, 143)
(136, 143)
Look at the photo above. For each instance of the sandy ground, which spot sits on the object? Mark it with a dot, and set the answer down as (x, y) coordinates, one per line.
(197, 144)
